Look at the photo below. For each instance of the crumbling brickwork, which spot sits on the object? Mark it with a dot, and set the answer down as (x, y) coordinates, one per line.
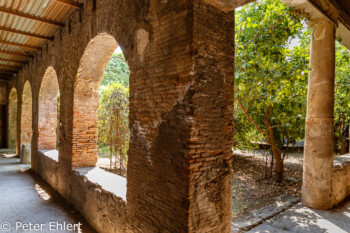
(180, 55)
(181, 121)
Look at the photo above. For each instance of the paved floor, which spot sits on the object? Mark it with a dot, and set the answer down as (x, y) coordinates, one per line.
(27, 204)
(302, 219)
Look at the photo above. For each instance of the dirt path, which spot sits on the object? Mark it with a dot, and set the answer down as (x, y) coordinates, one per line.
(252, 190)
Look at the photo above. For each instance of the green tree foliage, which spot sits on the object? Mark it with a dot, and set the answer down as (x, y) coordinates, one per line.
(342, 98)
(117, 70)
(271, 78)
(113, 122)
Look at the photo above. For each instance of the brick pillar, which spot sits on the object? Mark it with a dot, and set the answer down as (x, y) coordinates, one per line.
(26, 115)
(319, 132)
(181, 112)
(12, 119)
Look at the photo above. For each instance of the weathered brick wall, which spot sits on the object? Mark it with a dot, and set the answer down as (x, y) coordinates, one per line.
(180, 55)
(210, 148)
(181, 100)
(12, 118)
(26, 115)
(47, 122)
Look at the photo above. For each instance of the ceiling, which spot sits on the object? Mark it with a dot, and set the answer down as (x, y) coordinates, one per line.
(25, 26)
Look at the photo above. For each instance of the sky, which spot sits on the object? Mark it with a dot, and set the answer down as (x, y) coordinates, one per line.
(118, 50)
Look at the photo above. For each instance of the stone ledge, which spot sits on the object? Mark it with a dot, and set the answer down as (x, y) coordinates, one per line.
(107, 181)
(52, 154)
(341, 161)
(340, 179)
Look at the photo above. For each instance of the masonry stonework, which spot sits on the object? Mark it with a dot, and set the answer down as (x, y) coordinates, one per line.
(181, 58)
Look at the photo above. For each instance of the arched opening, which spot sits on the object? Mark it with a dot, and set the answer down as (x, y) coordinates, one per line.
(48, 111)
(12, 119)
(113, 116)
(86, 99)
(26, 123)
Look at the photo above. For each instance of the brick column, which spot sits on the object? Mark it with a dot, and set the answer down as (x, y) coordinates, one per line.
(319, 132)
(181, 112)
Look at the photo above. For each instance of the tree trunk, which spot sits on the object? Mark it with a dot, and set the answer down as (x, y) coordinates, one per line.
(276, 152)
(279, 170)
(110, 158)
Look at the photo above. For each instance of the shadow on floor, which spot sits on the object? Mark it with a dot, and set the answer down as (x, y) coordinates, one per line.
(303, 219)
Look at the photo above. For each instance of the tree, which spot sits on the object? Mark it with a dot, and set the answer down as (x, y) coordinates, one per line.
(342, 100)
(113, 122)
(117, 70)
(271, 77)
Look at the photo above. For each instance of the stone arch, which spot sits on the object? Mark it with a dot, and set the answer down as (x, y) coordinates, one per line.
(47, 113)
(86, 99)
(12, 119)
(26, 115)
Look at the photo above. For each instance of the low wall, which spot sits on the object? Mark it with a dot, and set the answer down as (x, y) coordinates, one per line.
(341, 179)
(99, 196)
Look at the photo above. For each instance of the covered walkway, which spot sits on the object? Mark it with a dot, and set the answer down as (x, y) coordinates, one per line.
(26, 199)
(181, 56)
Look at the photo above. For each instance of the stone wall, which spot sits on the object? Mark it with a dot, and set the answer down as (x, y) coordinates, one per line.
(340, 179)
(103, 209)
(181, 58)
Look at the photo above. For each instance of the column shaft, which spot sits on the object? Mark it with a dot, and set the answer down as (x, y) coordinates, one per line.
(319, 131)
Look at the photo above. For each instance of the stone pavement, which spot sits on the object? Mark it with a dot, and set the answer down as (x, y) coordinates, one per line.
(302, 219)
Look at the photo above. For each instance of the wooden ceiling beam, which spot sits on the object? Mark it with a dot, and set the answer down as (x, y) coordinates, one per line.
(19, 45)
(29, 16)
(6, 29)
(10, 67)
(15, 53)
(71, 3)
(14, 61)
